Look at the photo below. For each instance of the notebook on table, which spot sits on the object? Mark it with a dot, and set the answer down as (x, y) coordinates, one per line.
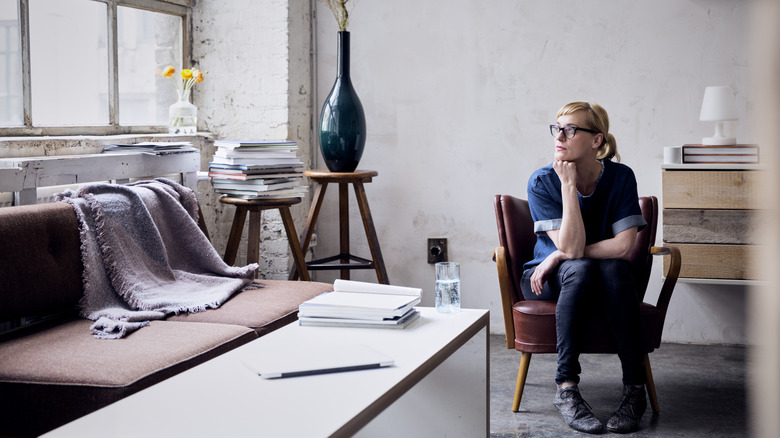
(316, 359)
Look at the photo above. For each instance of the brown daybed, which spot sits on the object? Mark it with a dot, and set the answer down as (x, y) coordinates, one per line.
(53, 370)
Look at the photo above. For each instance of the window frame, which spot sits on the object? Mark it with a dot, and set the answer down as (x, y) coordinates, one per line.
(180, 8)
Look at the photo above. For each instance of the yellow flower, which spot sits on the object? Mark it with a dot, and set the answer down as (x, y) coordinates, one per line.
(189, 77)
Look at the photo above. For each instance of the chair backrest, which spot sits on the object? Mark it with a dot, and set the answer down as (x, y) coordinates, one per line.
(516, 235)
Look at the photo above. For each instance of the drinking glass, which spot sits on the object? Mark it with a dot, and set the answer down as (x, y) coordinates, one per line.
(447, 297)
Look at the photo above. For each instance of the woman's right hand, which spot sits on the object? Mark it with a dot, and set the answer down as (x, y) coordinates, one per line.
(567, 172)
(543, 270)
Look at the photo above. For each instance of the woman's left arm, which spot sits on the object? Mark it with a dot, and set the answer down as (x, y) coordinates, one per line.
(619, 247)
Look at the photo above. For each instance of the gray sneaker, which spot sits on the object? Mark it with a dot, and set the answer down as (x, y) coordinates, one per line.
(576, 411)
(628, 415)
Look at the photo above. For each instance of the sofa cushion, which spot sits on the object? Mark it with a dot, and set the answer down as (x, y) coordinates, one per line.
(54, 376)
(264, 310)
(41, 253)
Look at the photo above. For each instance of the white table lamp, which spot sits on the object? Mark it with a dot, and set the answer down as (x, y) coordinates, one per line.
(718, 106)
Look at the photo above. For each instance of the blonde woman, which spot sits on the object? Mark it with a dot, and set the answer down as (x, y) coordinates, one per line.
(586, 216)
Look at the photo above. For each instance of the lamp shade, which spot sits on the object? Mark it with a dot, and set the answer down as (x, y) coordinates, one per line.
(718, 104)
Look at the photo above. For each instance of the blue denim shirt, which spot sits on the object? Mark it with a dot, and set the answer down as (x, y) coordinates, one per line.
(611, 208)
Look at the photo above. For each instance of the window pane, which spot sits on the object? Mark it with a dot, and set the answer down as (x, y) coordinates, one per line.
(68, 62)
(148, 42)
(10, 65)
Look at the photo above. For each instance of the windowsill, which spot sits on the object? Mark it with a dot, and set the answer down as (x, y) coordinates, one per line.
(17, 147)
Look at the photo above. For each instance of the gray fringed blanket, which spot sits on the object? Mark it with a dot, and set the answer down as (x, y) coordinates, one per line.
(145, 257)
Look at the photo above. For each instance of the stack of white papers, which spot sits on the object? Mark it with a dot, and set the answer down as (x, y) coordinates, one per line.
(358, 304)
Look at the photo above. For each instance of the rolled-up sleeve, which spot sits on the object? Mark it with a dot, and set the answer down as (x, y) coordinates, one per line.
(546, 211)
(628, 213)
(628, 222)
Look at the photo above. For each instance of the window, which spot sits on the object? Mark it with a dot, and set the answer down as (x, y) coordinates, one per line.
(10, 65)
(68, 62)
(89, 66)
(148, 42)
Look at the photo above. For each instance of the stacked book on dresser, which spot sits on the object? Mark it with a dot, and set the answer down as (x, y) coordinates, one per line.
(257, 169)
(358, 304)
(709, 154)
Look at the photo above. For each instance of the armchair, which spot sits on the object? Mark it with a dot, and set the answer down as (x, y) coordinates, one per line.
(530, 325)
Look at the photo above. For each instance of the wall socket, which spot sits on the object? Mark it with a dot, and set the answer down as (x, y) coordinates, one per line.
(437, 250)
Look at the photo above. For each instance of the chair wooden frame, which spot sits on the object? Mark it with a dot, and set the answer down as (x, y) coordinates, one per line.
(512, 298)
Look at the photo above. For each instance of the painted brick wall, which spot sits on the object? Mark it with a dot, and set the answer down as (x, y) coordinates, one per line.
(257, 87)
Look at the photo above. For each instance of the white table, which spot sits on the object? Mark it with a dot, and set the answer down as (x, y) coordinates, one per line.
(26, 174)
(438, 387)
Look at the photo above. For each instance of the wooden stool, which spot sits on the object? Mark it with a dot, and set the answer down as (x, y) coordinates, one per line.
(255, 208)
(357, 178)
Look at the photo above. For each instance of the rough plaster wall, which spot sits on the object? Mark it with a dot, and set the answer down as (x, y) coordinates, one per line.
(257, 56)
(458, 96)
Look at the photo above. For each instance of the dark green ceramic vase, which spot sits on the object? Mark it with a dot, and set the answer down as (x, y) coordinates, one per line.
(342, 121)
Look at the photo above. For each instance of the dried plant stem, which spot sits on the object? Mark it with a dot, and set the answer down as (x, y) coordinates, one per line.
(340, 11)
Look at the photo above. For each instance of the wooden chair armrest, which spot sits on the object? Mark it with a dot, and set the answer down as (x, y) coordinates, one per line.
(499, 256)
(675, 262)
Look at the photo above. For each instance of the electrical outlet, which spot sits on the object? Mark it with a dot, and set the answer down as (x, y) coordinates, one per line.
(437, 250)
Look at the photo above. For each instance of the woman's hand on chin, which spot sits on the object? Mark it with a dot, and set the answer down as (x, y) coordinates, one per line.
(567, 172)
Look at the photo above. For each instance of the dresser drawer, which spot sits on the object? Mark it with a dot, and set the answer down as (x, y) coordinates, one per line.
(728, 262)
(696, 225)
(727, 189)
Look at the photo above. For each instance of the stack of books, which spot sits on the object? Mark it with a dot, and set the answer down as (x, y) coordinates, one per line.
(734, 154)
(257, 169)
(358, 304)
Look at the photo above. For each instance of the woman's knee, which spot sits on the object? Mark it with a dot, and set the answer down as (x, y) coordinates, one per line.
(618, 278)
(577, 269)
(578, 276)
(611, 268)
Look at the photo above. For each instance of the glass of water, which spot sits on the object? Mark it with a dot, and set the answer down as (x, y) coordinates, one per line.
(447, 296)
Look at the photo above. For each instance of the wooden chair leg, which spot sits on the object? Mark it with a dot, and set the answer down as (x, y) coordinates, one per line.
(522, 373)
(651, 385)
(308, 232)
(235, 236)
(344, 228)
(373, 241)
(253, 238)
(202, 223)
(295, 246)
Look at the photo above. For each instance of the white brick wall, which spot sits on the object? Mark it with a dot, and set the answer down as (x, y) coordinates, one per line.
(257, 87)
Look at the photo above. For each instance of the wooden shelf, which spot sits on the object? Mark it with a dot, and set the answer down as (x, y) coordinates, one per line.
(713, 166)
(720, 281)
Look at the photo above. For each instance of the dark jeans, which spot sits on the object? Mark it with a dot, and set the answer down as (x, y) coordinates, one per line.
(580, 286)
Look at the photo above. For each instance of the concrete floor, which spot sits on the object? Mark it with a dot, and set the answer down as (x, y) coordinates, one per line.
(701, 392)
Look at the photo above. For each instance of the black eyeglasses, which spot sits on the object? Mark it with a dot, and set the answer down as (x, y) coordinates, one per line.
(568, 131)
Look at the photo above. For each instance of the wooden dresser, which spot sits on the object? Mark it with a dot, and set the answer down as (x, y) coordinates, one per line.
(712, 213)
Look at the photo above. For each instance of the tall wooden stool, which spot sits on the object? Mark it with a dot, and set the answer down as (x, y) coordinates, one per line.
(357, 178)
(255, 208)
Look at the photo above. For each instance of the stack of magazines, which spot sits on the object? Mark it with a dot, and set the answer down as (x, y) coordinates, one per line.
(358, 304)
(257, 169)
(150, 147)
